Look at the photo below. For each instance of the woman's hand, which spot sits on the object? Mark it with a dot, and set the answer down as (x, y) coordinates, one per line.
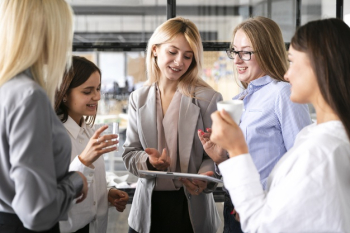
(159, 162)
(227, 134)
(196, 187)
(215, 152)
(118, 198)
(84, 191)
(98, 146)
(237, 218)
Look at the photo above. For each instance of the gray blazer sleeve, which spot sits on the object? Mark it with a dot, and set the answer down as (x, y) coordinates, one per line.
(208, 164)
(43, 189)
(134, 156)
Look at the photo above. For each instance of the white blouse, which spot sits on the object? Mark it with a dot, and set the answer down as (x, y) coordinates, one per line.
(94, 209)
(307, 191)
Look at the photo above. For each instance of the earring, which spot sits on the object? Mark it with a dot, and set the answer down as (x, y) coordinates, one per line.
(64, 100)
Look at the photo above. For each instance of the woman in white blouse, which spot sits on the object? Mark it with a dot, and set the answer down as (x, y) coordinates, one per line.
(76, 104)
(308, 190)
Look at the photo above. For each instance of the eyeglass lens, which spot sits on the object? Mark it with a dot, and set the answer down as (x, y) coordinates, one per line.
(242, 55)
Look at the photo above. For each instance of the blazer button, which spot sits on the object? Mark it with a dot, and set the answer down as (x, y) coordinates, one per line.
(189, 196)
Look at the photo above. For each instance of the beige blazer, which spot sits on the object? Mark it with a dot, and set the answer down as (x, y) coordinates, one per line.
(142, 133)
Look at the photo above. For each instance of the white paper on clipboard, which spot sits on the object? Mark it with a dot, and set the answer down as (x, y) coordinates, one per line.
(177, 175)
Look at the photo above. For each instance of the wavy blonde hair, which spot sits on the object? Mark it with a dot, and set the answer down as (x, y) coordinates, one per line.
(165, 33)
(267, 41)
(37, 35)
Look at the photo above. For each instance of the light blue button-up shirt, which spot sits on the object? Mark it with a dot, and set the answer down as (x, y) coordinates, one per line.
(270, 122)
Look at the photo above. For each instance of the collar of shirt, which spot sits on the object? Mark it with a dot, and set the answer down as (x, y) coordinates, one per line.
(254, 86)
(73, 128)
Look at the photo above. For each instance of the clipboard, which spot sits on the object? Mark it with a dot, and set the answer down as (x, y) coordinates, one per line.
(177, 175)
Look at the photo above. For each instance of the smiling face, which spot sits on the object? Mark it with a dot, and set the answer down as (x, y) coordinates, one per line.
(83, 100)
(247, 70)
(173, 58)
(304, 87)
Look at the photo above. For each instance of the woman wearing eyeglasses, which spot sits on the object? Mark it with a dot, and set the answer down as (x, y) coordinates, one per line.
(271, 120)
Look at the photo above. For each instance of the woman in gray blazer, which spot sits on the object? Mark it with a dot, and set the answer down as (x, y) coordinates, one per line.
(36, 189)
(161, 135)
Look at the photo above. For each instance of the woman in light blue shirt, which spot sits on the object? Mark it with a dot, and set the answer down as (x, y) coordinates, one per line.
(271, 120)
(308, 189)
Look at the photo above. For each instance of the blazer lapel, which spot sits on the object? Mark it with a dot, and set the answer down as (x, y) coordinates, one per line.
(148, 119)
(187, 124)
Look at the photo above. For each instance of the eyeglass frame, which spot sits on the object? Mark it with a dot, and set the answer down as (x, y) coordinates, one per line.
(230, 51)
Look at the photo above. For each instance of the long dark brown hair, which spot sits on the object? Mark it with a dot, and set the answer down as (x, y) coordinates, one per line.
(79, 73)
(327, 44)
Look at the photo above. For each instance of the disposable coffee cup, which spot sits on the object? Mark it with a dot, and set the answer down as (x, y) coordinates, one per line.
(232, 107)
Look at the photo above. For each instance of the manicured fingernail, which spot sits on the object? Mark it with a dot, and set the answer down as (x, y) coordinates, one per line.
(207, 129)
(232, 212)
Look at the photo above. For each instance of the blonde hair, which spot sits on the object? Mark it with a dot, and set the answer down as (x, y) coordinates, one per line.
(267, 41)
(37, 35)
(165, 33)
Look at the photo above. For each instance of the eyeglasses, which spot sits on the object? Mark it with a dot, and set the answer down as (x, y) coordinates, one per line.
(243, 55)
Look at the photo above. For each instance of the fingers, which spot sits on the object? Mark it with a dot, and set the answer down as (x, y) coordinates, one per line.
(200, 183)
(104, 138)
(105, 144)
(201, 137)
(120, 207)
(152, 152)
(84, 190)
(107, 150)
(237, 218)
(208, 173)
(216, 117)
(81, 198)
(105, 147)
(192, 188)
(118, 198)
(124, 197)
(226, 117)
(164, 157)
(160, 162)
(99, 131)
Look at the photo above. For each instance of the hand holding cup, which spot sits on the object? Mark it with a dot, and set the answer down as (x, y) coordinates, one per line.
(226, 133)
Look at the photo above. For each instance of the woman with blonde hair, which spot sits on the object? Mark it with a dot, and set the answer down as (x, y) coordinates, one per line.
(271, 120)
(161, 135)
(36, 187)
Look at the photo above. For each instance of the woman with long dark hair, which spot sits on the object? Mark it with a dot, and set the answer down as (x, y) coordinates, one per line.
(76, 105)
